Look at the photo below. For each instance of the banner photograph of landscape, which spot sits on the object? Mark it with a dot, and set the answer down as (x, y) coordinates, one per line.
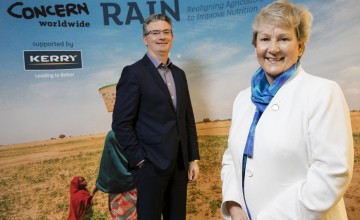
(61, 60)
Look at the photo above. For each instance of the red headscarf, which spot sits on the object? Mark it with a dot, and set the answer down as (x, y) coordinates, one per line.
(80, 198)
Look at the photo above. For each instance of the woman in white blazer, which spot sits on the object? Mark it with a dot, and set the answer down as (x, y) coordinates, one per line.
(290, 148)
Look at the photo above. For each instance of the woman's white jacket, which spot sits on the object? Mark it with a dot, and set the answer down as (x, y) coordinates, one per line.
(303, 153)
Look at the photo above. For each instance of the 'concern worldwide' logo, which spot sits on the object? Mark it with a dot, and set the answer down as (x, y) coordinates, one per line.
(52, 60)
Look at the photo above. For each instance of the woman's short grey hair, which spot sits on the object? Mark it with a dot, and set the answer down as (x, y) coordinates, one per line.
(285, 13)
(155, 17)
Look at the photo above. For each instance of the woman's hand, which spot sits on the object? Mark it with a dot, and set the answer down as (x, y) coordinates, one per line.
(235, 210)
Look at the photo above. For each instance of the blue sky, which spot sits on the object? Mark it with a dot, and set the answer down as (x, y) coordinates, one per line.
(216, 55)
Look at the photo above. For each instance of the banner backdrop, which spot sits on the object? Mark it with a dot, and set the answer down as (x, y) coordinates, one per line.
(56, 55)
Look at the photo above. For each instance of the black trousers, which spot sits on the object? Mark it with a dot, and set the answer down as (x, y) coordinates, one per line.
(161, 194)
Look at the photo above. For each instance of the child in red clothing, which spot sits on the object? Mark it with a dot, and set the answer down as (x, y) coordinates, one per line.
(80, 200)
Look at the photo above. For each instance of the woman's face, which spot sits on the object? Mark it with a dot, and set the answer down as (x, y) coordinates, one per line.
(82, 182)
(277, 49)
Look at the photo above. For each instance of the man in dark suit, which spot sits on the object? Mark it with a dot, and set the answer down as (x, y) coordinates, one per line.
(154, 123)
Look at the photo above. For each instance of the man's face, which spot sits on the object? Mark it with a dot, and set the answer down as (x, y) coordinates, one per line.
(158, 38)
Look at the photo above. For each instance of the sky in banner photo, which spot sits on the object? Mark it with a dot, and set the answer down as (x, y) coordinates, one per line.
(212, 43)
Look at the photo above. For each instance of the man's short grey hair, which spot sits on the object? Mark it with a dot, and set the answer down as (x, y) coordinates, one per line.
(155, 17)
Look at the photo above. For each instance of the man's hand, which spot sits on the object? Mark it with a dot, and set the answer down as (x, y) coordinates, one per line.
(193, 172)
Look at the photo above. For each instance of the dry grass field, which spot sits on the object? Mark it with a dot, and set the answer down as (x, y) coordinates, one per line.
(35, 177)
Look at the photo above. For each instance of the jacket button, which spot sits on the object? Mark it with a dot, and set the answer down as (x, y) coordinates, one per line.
(249, 173)
(275, 107)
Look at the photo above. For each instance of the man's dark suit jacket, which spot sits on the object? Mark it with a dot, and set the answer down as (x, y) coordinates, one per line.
(145, 122)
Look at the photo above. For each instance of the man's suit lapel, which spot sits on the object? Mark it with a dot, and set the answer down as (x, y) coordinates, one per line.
(178, 87)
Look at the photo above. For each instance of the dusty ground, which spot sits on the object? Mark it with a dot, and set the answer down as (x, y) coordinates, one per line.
(352, 196)
(34, 177)
(355, 121)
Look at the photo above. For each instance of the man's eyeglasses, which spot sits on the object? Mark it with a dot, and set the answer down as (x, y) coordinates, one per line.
(156, 33)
